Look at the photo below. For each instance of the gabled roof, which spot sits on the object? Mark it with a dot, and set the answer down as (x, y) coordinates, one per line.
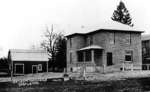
(28, 55)
(111, 26)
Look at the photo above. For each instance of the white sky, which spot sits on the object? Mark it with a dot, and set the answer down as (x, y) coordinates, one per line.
(22, 22)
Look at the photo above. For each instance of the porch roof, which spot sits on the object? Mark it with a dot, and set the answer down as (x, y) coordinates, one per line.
(91, 47)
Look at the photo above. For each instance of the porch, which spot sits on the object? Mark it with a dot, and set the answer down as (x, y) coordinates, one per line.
(90, 54)
(88, 58)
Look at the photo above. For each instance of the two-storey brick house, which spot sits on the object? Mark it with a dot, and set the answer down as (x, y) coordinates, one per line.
(101, 48)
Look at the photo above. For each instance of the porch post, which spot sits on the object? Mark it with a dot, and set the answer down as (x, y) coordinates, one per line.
(84, 66)
(47, 66)
(84, 56)
(92, 56)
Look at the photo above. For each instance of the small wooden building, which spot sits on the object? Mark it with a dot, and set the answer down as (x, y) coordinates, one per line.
(28, 61)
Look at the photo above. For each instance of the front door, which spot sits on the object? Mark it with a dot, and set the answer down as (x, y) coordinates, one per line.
(109, 59)
(34, 68)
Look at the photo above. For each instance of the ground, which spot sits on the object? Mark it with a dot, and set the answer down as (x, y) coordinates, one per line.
(128, 81)
(89, 76)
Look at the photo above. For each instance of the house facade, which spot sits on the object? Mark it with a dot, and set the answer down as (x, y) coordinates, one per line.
(103, 50)
(27, 61)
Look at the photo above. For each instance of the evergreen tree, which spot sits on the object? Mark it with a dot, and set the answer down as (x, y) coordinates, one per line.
(122, 15)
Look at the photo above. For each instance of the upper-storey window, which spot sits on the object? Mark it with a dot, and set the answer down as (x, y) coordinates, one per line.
(70, 43)
(128, 39)
(112, 38)
(70, 57)
(91, 40)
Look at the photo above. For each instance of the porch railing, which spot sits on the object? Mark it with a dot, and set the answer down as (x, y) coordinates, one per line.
(133, 67)
(145, 66)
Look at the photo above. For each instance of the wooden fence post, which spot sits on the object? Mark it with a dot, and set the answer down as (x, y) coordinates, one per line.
(123, 66)
(104, 68)
(132, 67)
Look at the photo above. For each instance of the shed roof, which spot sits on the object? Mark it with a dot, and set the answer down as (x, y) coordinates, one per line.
(28, 55)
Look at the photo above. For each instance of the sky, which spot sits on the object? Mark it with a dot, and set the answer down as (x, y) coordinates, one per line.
(23, 22)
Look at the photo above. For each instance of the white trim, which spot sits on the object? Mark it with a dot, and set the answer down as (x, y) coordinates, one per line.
(40, 68)
(36, 68)
(47, 66)
(15, 69)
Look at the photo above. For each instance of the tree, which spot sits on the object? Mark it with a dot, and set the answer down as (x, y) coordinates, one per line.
(4, 65)
(60, 62)
(122, 15)
(55, 44)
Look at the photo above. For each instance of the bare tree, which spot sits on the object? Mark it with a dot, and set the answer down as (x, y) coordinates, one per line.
(51, 43)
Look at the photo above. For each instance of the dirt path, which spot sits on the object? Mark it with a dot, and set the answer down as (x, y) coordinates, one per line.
(89, 76)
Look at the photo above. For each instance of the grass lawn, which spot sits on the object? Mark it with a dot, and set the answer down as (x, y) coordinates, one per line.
(126, 85)
(112, 82)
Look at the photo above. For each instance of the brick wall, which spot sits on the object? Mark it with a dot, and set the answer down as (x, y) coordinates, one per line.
(116, 42)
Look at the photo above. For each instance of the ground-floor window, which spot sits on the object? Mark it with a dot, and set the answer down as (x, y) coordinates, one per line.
(87, 56)
(84, 56)
(19, 68)
(80, 56)
(128, 55)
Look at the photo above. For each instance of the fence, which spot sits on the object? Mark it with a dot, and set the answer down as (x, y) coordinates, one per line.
(133, 67)
(126, 66)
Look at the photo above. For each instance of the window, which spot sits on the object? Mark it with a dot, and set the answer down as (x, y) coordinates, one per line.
(109, 59)
(70, 57)
(128, 39)
(128, 55)
(39, 67)
(70, 43)
(91, 40)
(80, 56)
(112, 38)
(87, 56)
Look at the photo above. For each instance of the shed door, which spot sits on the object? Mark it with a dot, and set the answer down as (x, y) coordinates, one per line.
(34, 68)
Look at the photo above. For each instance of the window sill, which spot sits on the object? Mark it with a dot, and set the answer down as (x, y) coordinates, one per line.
(128, 61)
